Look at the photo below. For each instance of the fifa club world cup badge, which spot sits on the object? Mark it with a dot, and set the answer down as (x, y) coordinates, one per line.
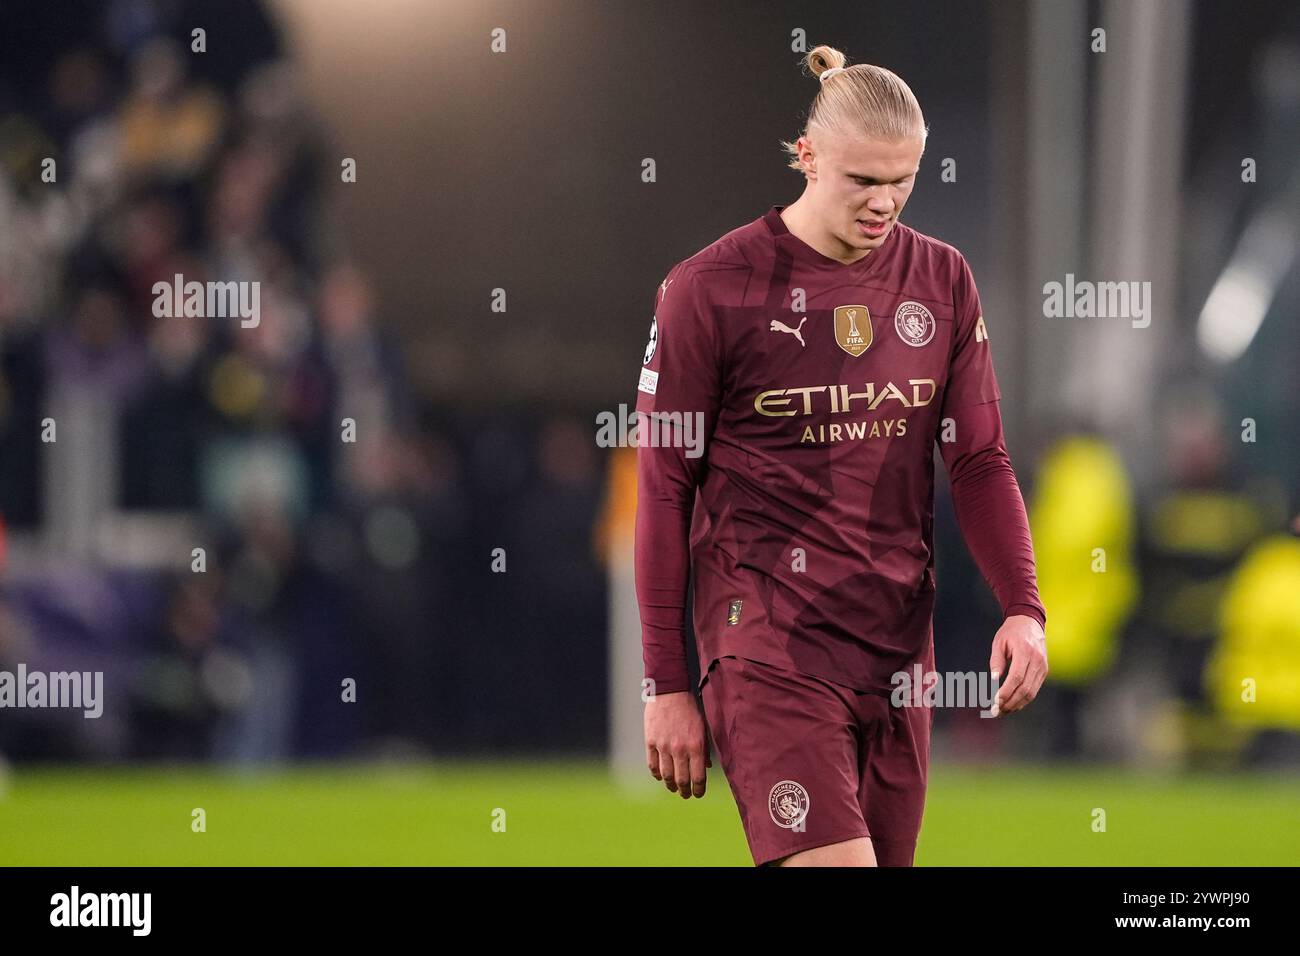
(914, 324)
(853, 328)
(788, 804)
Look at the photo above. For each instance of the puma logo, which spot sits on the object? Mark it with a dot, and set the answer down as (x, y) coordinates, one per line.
(779, 326)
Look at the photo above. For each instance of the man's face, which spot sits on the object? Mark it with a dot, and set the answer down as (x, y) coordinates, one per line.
(859, 186)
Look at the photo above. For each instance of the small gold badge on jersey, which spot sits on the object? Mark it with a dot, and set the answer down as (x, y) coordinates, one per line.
(733, 612)
(853, 328)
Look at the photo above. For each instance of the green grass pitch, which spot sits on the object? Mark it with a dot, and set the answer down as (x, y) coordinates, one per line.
(563, 813)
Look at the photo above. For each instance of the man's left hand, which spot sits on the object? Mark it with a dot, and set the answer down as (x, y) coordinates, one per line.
(1020, 643)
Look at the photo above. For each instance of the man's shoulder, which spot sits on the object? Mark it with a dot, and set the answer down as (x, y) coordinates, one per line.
(923, 250)
(726, 260)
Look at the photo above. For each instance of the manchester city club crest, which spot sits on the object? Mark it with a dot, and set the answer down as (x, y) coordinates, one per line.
(914, 324)
(853, 328)
(788, 803)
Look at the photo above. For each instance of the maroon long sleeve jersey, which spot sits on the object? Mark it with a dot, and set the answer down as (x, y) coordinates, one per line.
(788, 408)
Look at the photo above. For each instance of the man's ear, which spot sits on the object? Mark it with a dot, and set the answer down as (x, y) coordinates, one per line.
(810, 166)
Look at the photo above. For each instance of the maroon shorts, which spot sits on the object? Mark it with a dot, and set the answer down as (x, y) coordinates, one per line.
(812, 763)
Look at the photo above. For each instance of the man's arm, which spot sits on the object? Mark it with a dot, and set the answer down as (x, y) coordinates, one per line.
(681, 377)
(665, 496)
(990, 509)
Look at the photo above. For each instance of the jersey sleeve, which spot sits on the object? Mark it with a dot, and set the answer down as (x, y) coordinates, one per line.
(986, 496)
(683, 355)
(990, 509)
(970, 371)
(681, 376)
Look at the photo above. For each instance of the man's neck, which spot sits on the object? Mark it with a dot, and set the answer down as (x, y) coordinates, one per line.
(804, 226)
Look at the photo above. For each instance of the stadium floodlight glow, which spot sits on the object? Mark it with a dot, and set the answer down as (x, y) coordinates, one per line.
(1243, 293)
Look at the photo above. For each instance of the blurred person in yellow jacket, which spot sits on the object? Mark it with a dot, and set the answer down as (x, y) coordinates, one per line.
(1198, 526)
(1253, 677)
(1081, 513)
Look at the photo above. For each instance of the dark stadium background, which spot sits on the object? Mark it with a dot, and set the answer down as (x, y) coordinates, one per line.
(522, 171)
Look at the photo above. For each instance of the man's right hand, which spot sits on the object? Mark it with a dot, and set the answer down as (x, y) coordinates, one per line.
(677, 750)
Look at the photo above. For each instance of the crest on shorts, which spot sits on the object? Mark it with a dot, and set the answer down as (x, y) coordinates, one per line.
(853, 328)
(914, 323)
(788, 803)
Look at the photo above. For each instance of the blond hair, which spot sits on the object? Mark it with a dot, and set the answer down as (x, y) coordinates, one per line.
(859, 99)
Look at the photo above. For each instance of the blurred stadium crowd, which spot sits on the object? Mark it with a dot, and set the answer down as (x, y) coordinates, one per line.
(324, 560)
(328, 560)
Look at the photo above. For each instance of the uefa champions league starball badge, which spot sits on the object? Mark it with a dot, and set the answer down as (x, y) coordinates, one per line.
(654, 340)
(788, 804)
(914, 324)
